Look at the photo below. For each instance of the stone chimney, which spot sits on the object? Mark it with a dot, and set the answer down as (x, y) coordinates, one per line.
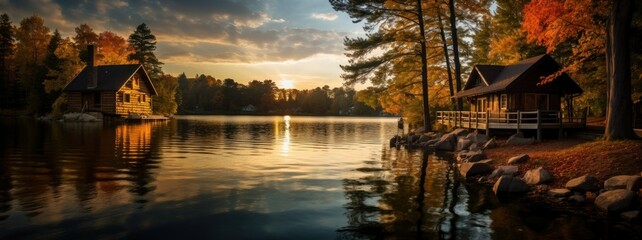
(91, 58)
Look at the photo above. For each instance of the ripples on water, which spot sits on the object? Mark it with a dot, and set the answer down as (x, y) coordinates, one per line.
(234, 177)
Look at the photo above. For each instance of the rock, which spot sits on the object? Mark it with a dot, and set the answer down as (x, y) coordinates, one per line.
(577, 198)
(477, 138)
(630, 215)
(559, 192)
(394, 140)
(471, 156)
(87, 118)
(510, 185)
(584, 183)
(420, 130)
(460, 132)
(424, 138)
(504, 171)
(615, 200)
(634, 184)
(490, 144)
(413, 138)
(472, 169)
(474, 147)
(519, 159)
(537, 176)
(616, 182)
(518, 139)
(487, 161)
(447, 142)
(463, 143)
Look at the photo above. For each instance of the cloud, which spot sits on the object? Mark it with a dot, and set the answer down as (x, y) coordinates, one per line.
(325, 16)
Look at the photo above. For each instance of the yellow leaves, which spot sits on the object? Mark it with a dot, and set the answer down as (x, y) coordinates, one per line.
(505, 50)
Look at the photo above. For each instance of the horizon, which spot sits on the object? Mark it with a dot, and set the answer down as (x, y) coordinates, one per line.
(299, 43)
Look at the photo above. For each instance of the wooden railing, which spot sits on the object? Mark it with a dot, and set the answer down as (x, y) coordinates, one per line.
(509, 120)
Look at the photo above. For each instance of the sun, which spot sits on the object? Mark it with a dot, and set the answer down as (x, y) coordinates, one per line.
(286, 84)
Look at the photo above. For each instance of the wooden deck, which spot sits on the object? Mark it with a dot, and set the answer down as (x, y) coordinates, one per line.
(536, 120)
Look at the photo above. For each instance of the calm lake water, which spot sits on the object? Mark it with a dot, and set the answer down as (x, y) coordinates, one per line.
(241, 177)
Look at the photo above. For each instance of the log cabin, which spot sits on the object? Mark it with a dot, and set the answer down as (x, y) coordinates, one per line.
(512, 97)
(118, 90)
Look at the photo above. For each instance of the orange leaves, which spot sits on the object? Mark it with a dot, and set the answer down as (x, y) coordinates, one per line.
(113, 49)
(553, 22)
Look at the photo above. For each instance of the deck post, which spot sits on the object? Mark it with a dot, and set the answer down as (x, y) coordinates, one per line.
(539, 126)
(518, 120)
(559, 117)
(487, 123)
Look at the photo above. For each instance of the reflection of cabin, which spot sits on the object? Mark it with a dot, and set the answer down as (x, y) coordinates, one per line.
(111, 89)
(510, 97)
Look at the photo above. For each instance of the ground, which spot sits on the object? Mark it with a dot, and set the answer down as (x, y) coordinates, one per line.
(572, 157)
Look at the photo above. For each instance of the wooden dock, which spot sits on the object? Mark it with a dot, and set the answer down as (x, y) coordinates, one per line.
(535, 120)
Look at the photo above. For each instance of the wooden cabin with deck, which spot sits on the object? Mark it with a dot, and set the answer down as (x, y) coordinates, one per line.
(511, 97)
(117, 90)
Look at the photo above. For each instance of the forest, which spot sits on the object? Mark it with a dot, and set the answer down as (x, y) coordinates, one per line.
(38, 63)
(413, 57)
(416, 54)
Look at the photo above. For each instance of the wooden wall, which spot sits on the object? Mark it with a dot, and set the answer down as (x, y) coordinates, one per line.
(140, 100)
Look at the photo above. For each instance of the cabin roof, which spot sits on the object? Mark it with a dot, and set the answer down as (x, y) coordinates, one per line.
(516, 76)
(109, 78)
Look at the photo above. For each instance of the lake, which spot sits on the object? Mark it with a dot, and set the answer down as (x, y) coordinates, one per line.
(251, 177)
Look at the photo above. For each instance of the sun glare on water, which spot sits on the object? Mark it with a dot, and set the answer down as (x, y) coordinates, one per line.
(287, 84)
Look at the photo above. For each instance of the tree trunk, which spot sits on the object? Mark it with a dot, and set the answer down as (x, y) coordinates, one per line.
(424, 67)
(445, 46)
(619, 121)
(455, 39)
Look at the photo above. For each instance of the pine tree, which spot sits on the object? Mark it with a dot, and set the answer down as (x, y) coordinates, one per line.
(7, 39)
(144, 44)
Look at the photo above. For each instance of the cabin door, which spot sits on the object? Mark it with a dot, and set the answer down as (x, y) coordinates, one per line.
(482, 105)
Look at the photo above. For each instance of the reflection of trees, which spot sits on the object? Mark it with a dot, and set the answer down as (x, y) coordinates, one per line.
(43, 163)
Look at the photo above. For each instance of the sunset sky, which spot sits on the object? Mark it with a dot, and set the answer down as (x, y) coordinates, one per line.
(296, 40)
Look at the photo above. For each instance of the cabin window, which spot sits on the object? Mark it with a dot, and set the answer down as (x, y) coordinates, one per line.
(121, 97)
(144, 98)
(129, 84)
(482, 104)
(97, 99)
(503, 101)
(127, 98)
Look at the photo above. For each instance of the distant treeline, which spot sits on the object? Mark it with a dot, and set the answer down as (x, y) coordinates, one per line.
(208, 95)
(36, 64)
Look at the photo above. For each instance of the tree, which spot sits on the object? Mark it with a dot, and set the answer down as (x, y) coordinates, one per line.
(399, 25)
(165, 101)
(7, 39)
(85, 36)
(113, 49)
(455, 42)
(144, 44)
(619, 123)
(33, 39)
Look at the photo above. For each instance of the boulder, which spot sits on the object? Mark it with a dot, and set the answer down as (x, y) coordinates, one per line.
(508, 184)
(616, 182)
(87, 118)
(471, 156)
(420, 130)
(504, 171)
(584, 183)
(477, 138)
(577, 198)
(617, 200)
(488, 161)
(559, 192)
(460, 132)
(518, 139)
(424, 138)
(537, 176)
(630, 215)
(519, 159)
(413, 138)
(490, 144)
(476, 168)
(447, 142)
(463, 143)
(634, 183)
(474, 147)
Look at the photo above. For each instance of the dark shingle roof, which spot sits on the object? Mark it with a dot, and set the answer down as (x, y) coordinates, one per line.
(110, 78)
(500, 78)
